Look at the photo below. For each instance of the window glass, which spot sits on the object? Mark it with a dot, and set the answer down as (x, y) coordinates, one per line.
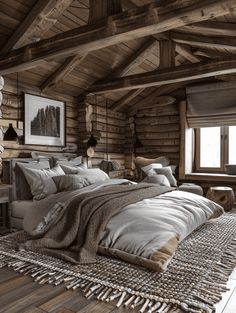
(232, 144)
(210, 145)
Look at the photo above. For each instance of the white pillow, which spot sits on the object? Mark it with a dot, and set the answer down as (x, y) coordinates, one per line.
(41, 182)
(149, 169)
(158, 179)
(93, 175)
(168, 173)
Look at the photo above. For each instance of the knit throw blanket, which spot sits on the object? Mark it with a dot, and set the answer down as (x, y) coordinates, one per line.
(194, 281)
(73, 231)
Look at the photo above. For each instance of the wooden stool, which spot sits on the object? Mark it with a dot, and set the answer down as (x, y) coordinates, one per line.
(224, 196)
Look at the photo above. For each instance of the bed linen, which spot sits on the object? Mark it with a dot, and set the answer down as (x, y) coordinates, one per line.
(145, 232)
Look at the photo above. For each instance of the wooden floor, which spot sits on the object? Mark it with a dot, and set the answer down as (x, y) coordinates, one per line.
(19, 293)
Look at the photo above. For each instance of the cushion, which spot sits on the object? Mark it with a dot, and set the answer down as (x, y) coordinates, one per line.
(189, 187)
(149, 169)
(141, 162)
(68, 161)
(41, 182)
(70, 182)
(23, 191)
(168, 173)
(93, 175)
(158, 179)
(72, 169)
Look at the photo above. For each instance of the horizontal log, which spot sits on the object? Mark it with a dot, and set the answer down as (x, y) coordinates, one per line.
(137, 23)
(183, 73)
(157, 120)
(158, 128)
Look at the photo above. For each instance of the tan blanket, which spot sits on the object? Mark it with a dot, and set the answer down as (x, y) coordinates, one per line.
(74, 233)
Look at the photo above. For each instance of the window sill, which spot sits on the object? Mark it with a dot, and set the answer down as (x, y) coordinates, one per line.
(211, 177)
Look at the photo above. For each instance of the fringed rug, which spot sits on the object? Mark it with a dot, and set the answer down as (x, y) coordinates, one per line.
(194, 281)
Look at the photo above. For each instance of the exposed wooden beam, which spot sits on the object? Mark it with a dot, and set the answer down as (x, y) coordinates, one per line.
(41, 17)
(167, 54)
(169, 76)
(213, 28)
(120, 104)
(98, 10)
(204, 41)
(187, 54)
(137, 23)
(212, 54)
(135, 59)
(68, 65)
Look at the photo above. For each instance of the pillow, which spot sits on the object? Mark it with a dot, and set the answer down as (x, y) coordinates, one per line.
(141, 162)
(168, 173)
(70, 182)
(23, 191)
(41, 182)
(149, 169)
(68, 161)
(93, 175)
(158, 179)
(72, 169)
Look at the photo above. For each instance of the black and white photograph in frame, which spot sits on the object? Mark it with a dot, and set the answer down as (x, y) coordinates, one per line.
(44, 121)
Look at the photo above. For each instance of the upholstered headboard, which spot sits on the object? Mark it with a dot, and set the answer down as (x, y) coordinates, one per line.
(10, 173)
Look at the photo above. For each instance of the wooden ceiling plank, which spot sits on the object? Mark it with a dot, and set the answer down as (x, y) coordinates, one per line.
(120, 104)
(63, 70)
(181, 73)
(137, 23)
(40, 18)
(204, 41)
(98, 9)
(211, 28)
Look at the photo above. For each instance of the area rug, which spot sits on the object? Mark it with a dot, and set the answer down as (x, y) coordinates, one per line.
(194, 280)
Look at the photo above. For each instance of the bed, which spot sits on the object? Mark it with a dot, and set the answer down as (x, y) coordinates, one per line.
(139, 223)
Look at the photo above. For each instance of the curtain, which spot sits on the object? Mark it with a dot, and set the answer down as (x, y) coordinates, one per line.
(211, 105)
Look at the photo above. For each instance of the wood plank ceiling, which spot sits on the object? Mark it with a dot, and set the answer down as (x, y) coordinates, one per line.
(23, 22)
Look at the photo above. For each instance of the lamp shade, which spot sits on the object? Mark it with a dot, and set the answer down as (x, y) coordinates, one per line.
(92, 142)
(10, 134)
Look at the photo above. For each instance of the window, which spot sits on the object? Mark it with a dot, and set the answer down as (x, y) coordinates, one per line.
(215, 147)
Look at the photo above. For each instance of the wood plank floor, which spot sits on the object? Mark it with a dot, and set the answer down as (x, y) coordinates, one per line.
(19, 294)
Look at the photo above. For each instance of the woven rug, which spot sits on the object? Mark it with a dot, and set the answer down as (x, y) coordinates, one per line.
(194, 281)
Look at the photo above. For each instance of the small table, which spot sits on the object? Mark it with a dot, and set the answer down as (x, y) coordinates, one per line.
(5, 197)
(222, 195)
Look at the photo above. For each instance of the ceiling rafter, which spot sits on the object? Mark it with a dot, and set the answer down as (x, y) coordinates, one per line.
(41, 17)
(98, 10)
(146, 20)
(168, 76)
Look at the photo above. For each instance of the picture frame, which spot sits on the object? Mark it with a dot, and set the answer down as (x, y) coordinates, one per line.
(44, 121)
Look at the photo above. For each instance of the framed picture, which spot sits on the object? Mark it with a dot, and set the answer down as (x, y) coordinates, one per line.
(44, 121)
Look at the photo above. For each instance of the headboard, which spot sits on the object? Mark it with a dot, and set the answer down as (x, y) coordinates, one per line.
(8, 171)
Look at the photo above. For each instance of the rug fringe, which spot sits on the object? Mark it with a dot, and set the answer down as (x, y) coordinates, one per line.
(205, 293)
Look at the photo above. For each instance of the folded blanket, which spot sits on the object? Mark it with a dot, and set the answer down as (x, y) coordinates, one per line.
(75, 230)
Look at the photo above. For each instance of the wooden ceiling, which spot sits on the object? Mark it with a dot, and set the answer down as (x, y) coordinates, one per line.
(76, 66)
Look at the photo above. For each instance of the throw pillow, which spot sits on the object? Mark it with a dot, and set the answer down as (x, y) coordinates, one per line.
(168, 173)
(70, 182)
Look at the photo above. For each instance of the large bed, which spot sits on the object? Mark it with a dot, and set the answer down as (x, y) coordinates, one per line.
(90, 213)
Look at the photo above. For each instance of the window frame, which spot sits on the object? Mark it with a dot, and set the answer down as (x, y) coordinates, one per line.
(224, 152)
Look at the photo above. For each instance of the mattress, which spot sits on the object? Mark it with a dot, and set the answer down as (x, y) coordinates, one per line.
(20, 208)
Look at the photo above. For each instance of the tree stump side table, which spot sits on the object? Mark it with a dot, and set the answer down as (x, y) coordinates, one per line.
(222, 195)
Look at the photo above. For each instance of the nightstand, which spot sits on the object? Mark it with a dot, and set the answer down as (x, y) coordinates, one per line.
(5, 198)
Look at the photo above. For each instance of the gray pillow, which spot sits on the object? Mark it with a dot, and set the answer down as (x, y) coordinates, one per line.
(73, 169)
(41, 182)
(158, 179)
(23, 191)
(68, 161)
(168, 173)
(70, 182)
(93, 175)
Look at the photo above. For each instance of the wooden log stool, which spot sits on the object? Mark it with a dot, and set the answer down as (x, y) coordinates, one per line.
(222, 195)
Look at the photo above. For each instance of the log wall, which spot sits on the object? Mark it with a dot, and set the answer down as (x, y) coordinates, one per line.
(158, 130)
(107, 126)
